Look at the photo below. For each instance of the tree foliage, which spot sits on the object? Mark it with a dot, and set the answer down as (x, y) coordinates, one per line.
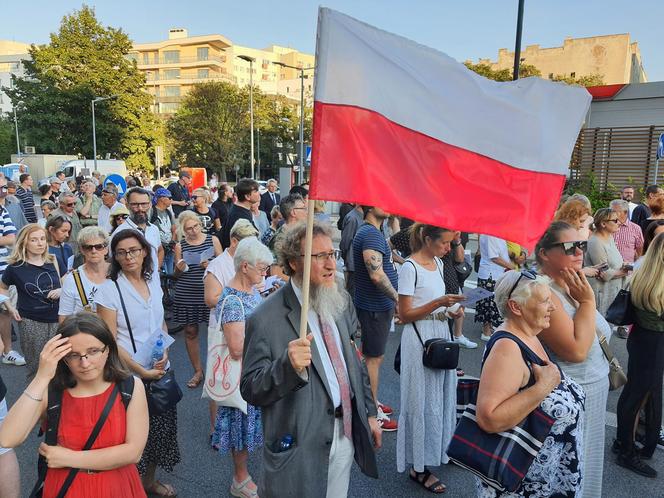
(526, 70)
(211, 128)
(82, 61)
(7, 140)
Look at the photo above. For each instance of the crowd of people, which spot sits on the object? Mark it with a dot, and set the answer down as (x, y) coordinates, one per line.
(97, 283)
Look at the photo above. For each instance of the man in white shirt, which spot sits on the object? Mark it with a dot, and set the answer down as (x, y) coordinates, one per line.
(627, 195)
(139, 203)
(109, 200)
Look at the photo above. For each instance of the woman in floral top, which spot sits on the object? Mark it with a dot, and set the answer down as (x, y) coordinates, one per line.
(235, 431)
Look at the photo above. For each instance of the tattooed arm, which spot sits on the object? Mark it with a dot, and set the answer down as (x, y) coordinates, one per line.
(373, 260)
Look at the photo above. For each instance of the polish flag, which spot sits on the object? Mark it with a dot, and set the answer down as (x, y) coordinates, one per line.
(407, 128)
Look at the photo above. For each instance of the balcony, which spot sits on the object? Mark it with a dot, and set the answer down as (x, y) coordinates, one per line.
(190, 79)
(154, 62)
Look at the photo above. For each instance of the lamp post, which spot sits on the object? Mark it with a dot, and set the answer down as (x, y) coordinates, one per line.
(250, 60)
(94, 130)
(300, 175)
(517, 44)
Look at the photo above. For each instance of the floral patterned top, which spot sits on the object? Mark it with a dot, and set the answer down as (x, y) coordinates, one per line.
(237, 308)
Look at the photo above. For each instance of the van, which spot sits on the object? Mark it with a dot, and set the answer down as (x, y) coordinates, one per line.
(86, 167)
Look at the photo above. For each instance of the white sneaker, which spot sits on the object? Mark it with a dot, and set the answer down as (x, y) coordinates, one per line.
(485, 338)
(464, 342)
(13, 358)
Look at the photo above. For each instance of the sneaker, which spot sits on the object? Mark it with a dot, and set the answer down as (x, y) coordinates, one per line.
(641, 438)
(13, 358)
(634, 463)
(660, 440)
(622, 332)
(464, 342)
(385, 423)
(387, 410)
(485, 338)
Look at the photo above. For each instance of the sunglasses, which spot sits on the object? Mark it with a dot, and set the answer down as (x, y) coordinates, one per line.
(96, 247)
(529, 274)
(570, 247)
(121, 216)
(69, 204)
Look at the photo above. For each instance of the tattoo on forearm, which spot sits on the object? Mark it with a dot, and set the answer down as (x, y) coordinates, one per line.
(385, 286)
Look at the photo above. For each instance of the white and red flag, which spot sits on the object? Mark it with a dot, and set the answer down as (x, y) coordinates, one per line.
(407, 128)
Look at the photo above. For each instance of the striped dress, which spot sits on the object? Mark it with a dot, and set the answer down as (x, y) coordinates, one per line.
(188, 300)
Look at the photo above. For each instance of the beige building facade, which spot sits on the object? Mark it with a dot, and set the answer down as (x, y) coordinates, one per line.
(12, 55)
(174, 65)
(615, 57)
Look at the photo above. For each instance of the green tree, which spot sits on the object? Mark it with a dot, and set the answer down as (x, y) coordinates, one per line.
(83, 60)
(526, 70)
(589, 80)
(7, 140)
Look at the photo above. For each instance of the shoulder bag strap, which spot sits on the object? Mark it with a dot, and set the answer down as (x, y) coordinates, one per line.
(80, 288)
(220, 326)
(126, 315)
(414, 324)
(93, 436)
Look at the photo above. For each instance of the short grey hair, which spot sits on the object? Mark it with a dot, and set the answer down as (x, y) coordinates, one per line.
(522, 292)
(620, 205)
(290, 243)
(251, 251)
(64, 195)
(287, 204)
(48, 204)
(272, 180)
(89, 233)
(242, 229)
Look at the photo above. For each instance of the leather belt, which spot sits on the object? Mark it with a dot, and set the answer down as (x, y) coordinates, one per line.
(440, 315)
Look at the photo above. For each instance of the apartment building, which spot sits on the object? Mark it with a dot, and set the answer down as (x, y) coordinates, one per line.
(615, 57)
(174, 65)
(12, 55)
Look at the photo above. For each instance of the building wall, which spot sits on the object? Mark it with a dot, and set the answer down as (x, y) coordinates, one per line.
(615, 57)
(11, 56)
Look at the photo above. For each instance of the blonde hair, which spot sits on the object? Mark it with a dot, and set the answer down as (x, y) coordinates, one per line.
(601, 216)
(183, 218)
(205, 193)
(242, 229)
(647, 284)
(20, 252)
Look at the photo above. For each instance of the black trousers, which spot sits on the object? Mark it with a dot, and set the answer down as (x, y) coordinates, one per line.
(645, 373)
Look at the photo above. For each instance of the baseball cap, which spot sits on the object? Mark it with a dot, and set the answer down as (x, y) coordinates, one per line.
(185, 174)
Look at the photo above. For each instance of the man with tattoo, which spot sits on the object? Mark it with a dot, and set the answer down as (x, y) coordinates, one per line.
(375, 298)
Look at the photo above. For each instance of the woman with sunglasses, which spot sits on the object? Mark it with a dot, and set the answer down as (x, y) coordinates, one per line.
(83, 282)
(208, 216)
(130, 302)
(234, 431)
(33, 270)
(118, 216)
(572, 339)
(189, 308)
(604, 255)
(82, 362)
(58, 229)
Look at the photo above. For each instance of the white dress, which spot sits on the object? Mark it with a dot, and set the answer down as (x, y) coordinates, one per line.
(428, 397)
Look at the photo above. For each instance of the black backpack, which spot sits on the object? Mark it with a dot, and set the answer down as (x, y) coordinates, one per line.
(126, 388)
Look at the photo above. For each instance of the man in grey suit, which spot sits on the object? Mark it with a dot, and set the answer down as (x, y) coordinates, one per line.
(318, 411)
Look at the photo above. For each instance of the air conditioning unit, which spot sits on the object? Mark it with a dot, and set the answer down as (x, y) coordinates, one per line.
(29, 150)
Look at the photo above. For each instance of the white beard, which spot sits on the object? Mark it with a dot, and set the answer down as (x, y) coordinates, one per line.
(328, 302)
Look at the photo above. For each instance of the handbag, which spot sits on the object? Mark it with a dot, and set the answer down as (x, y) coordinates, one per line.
(162, 394)
(617, 377)
(501, 459)
(463, 270)
(222, 372)
(621, 311)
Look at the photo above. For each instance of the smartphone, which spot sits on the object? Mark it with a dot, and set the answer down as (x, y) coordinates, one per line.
(628, 266)
(603, 267)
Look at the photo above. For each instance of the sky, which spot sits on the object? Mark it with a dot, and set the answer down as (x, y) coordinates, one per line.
(464, 29)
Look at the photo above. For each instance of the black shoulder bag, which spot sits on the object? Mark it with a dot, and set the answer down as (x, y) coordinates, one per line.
(162, 394)
(51, 438)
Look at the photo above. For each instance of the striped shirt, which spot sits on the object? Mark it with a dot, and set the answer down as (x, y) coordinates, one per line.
(27, 203)
(6, 228)
(629, 238)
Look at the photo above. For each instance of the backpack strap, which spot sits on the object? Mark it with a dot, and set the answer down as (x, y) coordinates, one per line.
(126, 388)
(50, 436)
(80, 289)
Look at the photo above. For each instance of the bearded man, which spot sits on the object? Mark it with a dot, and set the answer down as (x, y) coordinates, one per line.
(317, 408)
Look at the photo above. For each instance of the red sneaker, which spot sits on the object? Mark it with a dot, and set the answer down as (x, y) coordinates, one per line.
(387, 410)
(388, 425)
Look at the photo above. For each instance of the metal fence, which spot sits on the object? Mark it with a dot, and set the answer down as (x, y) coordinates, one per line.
(620, 156)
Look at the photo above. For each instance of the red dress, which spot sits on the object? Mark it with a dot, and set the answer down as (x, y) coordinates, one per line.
(77, 419)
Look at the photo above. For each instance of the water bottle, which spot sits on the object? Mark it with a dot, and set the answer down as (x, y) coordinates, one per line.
(158, 350)
(285, 443)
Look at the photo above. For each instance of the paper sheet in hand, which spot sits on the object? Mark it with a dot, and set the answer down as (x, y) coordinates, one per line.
(196, 258)
(144, 353)
(474, 295)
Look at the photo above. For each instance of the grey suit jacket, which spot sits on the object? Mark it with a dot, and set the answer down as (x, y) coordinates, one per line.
(302, 408)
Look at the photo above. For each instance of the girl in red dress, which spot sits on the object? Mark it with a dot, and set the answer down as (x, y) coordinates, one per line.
(82, 360)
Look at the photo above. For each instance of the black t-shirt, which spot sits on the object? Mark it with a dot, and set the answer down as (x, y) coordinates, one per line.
(33, 283)
(221, 208)
(178, 193)
(207, 220)
(236, 213)
(3, 389)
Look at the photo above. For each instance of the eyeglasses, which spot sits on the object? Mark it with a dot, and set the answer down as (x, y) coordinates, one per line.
(192, 228)
(260, 269)
(92, 354)
(131, 253)
(143, 205)
(96, 247)
(571, 247)
(322, 256)
(529, 274)
(121, 216)
(301, 207)
(69, 204)
(614, 220)
(194, 197)
(107, 192)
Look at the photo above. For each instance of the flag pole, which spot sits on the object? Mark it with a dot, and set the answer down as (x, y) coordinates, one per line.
(308, 242)
(517, 44)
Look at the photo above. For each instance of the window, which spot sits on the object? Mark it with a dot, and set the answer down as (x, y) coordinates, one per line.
(550, 76)
(203, 74)
(169, 107)
(132, 57)
(265, 77)
(172, 91)
(171, 56)
(572, 74)
(171, 74)
(146, 58)
(202, 53)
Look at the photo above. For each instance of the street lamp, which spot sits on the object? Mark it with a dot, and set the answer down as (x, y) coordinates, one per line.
(94, 131)
(300, 173)
(18, 143)
(250, 60)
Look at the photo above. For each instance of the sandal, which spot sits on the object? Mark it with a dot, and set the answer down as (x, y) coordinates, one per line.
(195, 381)
(161, 489)
(460, 372)
(421, 478)
(241, 490)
